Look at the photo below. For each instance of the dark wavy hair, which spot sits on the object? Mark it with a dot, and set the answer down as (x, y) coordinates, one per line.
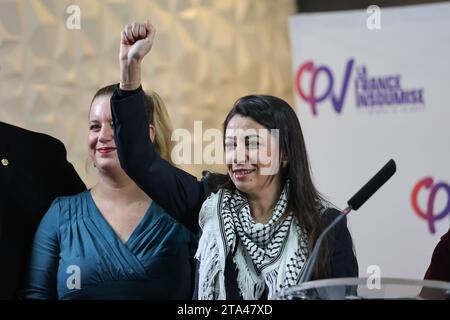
(304, 201)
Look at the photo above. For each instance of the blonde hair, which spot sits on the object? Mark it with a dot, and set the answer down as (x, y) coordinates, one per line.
(163, 127)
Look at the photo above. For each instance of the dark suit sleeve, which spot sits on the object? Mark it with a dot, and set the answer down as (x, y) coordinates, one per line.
(343, 260)
(175, 190)
(439, 268)
(43, 268)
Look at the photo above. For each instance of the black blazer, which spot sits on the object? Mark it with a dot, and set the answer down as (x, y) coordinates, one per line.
(439, 268)
(180, 193)
(33, 172)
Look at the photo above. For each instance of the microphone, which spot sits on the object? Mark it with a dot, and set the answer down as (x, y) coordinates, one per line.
(372, 186)
(354, 203)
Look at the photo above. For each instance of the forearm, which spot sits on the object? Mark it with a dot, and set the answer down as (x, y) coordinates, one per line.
(178, 192)
(132, 135)
(130, 75)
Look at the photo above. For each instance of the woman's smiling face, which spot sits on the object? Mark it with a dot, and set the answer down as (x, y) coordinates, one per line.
(252, 154)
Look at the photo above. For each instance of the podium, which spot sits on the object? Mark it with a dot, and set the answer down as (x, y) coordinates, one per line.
(368, 289)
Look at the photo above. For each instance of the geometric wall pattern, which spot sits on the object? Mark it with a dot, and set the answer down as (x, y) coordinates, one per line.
(207, 53)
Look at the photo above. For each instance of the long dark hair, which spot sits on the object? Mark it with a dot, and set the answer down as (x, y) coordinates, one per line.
(304, 200)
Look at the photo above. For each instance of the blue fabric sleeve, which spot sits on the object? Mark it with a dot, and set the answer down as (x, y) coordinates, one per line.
(175, 190)
(43, 268)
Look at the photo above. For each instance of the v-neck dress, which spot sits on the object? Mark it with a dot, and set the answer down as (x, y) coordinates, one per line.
(77, 255)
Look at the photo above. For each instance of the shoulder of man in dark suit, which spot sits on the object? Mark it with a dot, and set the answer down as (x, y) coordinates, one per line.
(20, 139)
(41, 155)
(34, 171)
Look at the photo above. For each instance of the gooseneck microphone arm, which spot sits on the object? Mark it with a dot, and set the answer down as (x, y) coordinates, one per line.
(353, 204)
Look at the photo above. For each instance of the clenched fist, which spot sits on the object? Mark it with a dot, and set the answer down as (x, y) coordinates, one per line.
(136, 40)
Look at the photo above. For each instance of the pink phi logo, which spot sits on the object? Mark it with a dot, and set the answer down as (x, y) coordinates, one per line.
(429, 213)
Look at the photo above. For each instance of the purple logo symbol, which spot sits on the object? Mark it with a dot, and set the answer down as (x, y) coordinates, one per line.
(429, 214)
(312, 97)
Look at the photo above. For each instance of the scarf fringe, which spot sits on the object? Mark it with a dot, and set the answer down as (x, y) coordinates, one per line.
(271, 281)
(251, 286)
(212, 261)
(210, 271)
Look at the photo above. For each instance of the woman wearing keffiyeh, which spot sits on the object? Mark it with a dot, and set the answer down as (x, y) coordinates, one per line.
(265, 215)
(258, 222)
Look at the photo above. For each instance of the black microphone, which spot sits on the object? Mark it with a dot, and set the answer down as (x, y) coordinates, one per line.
(353, 204)
(373, 185)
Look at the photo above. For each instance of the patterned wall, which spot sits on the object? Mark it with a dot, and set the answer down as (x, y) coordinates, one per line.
(207, 54)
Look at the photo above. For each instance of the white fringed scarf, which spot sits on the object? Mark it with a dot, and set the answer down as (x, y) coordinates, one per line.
(267, 255)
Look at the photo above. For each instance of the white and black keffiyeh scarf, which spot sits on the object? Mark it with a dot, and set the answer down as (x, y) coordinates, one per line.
(266, 255)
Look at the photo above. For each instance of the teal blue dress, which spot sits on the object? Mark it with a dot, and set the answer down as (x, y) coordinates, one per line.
(77, 255)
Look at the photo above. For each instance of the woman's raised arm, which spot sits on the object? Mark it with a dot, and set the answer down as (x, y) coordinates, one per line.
(178, 192)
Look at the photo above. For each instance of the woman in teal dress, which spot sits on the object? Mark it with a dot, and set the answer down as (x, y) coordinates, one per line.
(112, 241)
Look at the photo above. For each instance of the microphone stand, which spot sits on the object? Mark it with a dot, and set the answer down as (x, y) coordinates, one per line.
(354, 203)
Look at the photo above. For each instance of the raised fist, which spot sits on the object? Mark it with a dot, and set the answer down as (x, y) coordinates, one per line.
(136, 40)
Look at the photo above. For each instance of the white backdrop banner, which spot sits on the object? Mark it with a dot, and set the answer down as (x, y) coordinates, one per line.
(370, 87)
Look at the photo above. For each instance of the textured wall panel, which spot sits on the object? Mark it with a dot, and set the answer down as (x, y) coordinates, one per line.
(207, 54)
